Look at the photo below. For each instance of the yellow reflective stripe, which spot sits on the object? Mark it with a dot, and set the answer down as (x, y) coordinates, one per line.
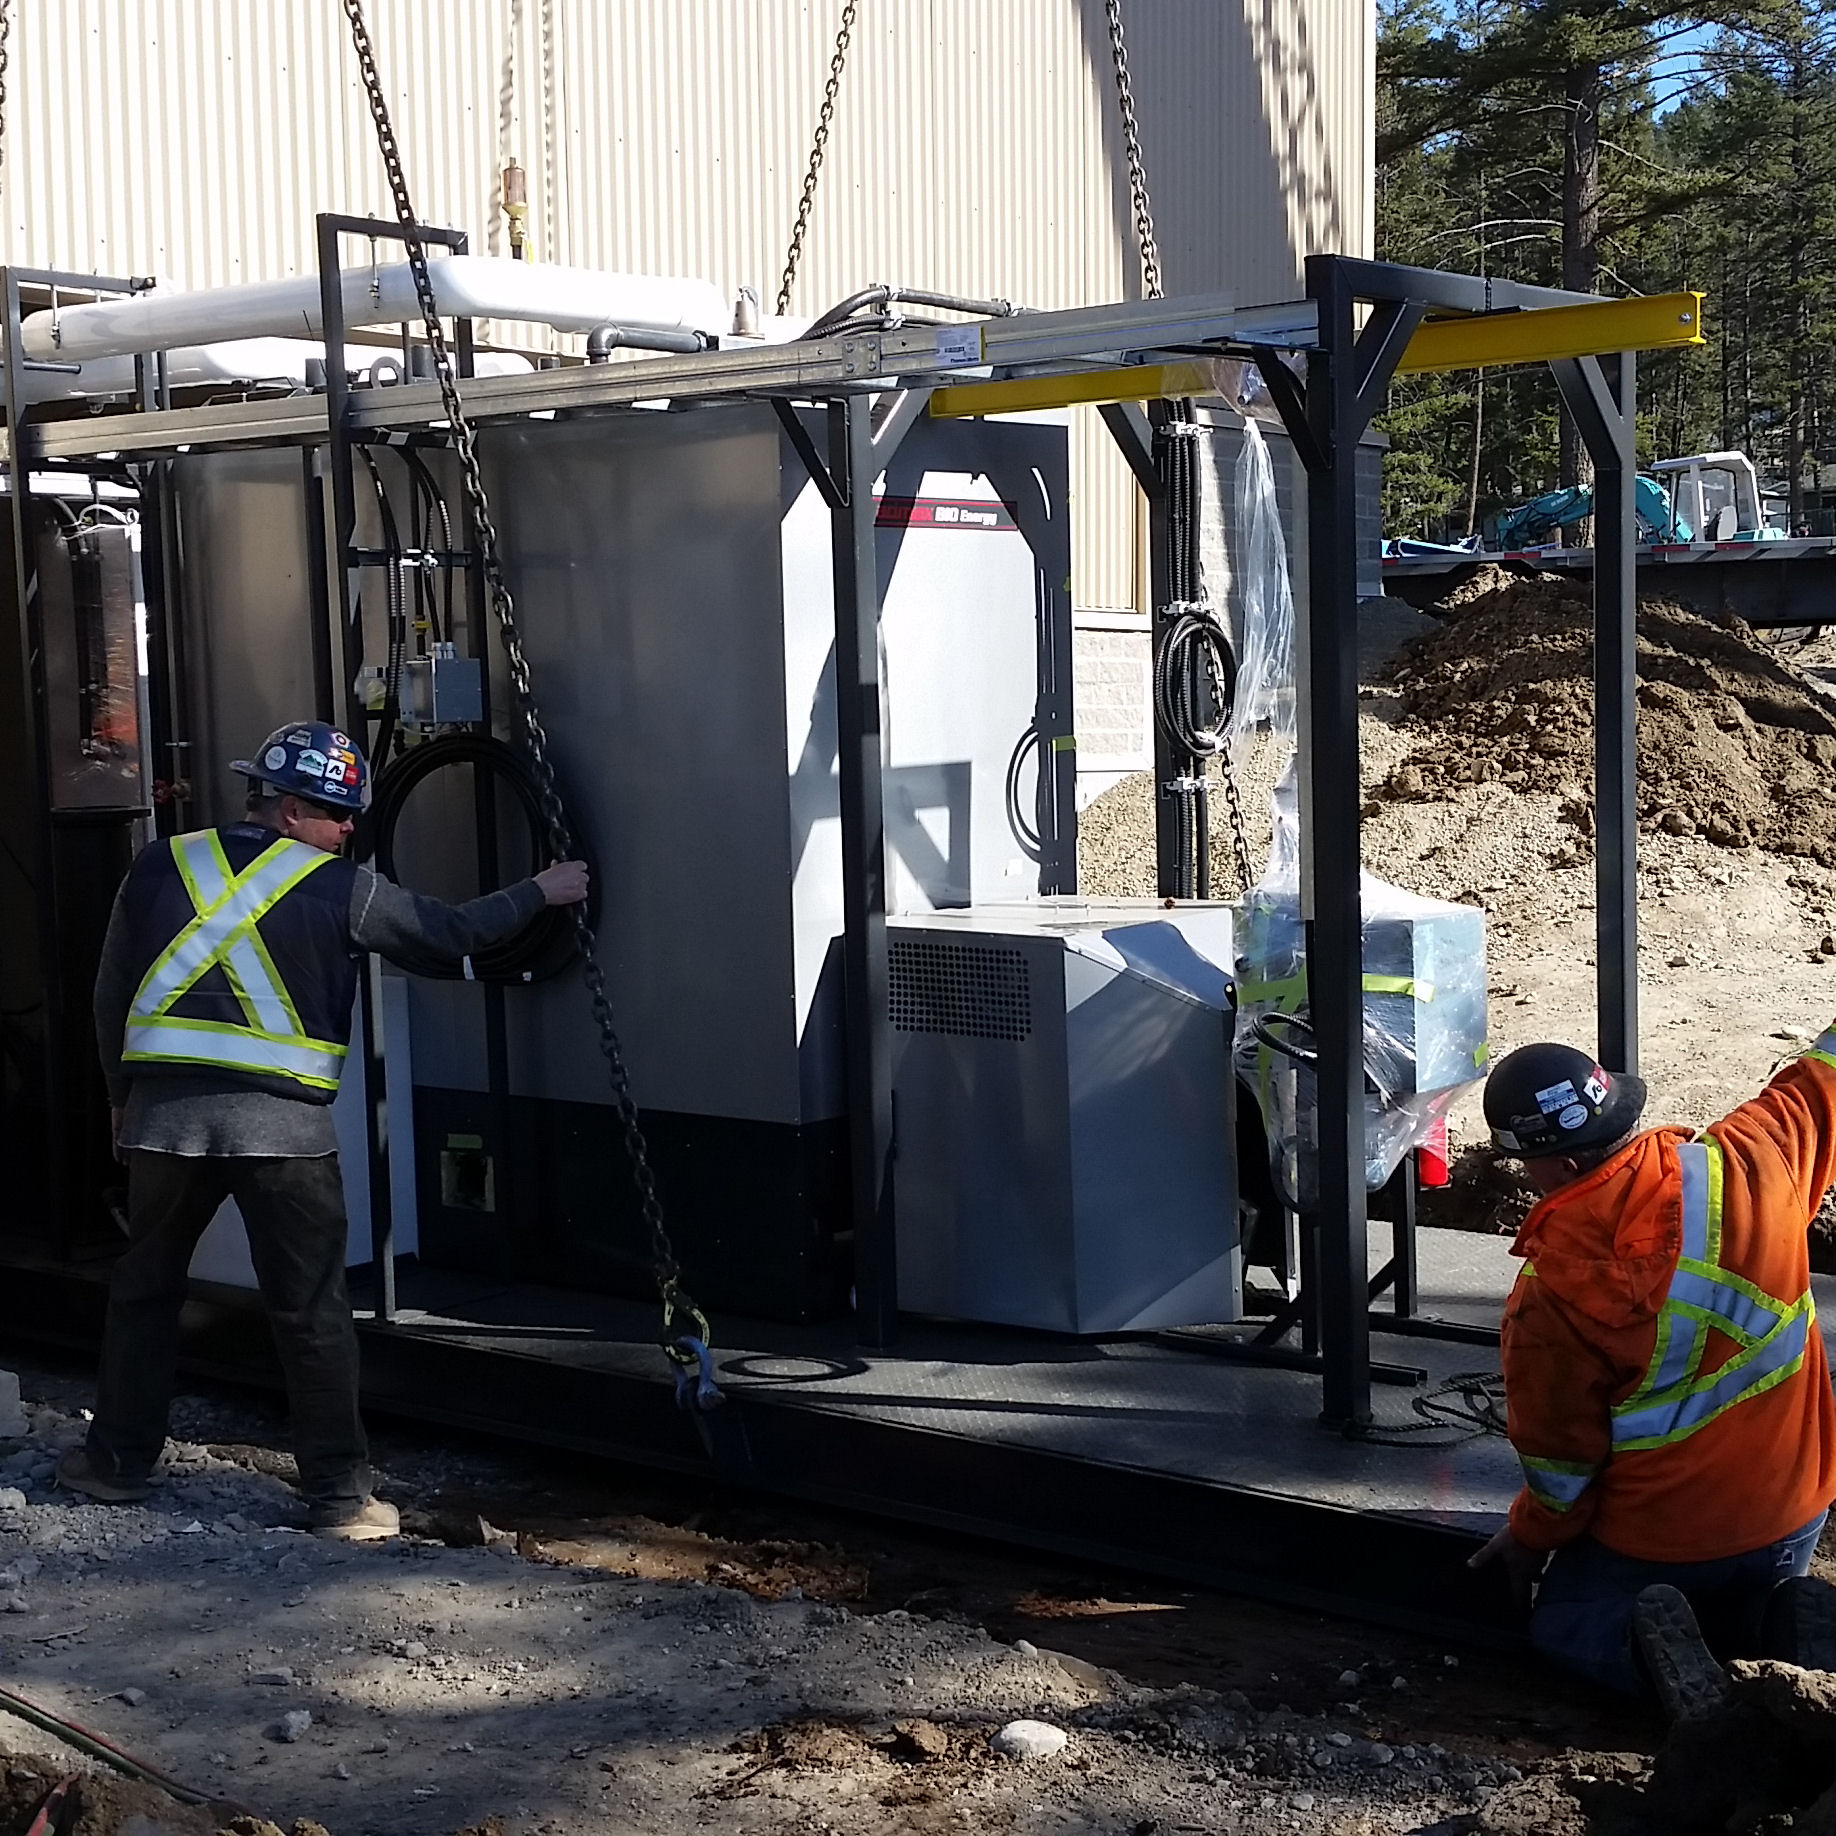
(1666, 1420)
(1293, 986)
(233, 1048)
(224, 933)
(1557, 1484)
(289, 1013)
(250, 897)
(204, 869)
(1673, 1399)
(231, 1030)
(1823, 1049)
(1712, 1150)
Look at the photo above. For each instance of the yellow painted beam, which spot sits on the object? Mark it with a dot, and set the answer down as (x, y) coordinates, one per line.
(1481, 341)
(1144, 382)
(1659, 321)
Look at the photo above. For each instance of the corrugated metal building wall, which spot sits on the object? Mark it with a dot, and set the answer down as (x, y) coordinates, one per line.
(976, 147)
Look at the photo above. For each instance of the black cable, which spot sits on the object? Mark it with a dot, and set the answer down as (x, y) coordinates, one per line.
(542, 948)
(394, 613)
(829, 322)
(437, 499)
(1195, 645)
(1026, 828)
(1460, 1408)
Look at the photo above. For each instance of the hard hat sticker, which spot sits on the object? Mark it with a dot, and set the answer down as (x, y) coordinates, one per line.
(275, 757)
(1557, 1096)
(1596, 1087)
(1573, 1116)
(311, 763)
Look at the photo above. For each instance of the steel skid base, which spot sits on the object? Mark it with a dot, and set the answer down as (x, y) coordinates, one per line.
(1143, 1452)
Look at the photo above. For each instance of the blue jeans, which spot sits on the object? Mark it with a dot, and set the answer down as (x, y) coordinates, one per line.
(1583, 1614)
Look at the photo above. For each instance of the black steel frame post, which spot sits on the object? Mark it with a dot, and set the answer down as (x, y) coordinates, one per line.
(1172, 763)
(858, 732)
(331, 227)
(857, 455)
(1600, 394)
(43, 868)
(166, 667)
(1330, 849)
(57, 1133)
(1348, 374)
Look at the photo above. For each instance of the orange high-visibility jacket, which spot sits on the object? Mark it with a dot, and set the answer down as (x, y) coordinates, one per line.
(1665, 1379)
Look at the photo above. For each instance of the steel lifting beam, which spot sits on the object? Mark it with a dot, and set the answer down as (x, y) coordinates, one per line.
(1552, 334)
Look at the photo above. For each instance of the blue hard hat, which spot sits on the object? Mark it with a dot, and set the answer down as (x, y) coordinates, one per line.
(312, 759)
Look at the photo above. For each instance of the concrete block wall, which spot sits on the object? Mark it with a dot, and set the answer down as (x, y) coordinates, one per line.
(1111, 662)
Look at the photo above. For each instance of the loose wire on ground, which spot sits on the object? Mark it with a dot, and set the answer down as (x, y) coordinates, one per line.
(1460, 1408)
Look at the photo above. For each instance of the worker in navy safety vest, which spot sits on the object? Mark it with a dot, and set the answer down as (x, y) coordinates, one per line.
(1665, 1381)
(223, 1016)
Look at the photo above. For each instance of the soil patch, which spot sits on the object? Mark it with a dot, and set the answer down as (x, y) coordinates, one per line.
(97, 1805)
(1735, 744)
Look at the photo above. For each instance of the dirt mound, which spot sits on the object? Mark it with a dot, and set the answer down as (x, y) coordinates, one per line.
(1734, 744)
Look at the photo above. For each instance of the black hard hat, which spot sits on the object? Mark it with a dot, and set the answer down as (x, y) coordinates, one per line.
(1550, 1099)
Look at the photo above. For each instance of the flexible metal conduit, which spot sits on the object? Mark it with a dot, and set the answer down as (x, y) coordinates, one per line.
(887, 295)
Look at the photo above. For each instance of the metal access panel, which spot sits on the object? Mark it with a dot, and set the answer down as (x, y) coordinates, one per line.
(89, 588)
(1065, 1117)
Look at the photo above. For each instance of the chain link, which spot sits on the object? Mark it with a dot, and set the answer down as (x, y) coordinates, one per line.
(824, 121)
(554, 817)
(1137, 169)
(1154, 288)
(6, 26)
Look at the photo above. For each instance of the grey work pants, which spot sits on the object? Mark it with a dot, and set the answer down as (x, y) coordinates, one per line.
(293, 1209)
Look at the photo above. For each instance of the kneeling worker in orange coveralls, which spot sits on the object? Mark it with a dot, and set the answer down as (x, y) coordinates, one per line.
(1665, 1380)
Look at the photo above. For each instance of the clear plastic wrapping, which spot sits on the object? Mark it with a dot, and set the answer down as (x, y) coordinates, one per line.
(1264, 597)
(1424, 1015)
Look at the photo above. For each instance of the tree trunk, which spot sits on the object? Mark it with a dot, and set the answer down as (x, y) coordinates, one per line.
(1472, 481)
(1798, 336)
(1580, 221)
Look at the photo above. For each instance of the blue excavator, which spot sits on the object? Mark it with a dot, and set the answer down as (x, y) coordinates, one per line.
(1529, 524)
(1702, 497)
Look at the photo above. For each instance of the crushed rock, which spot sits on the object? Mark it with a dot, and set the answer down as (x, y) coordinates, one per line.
(1734, 743)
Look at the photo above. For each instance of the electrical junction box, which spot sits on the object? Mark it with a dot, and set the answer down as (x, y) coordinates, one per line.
(1064, 1116)
(442, 690)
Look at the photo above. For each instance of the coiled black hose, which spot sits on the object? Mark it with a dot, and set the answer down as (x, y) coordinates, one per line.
(542, 948)
(1195, 664)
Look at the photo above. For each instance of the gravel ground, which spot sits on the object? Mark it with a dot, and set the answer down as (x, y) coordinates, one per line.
(419, 1687)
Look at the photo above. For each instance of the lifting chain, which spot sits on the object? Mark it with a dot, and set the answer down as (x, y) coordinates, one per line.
(818, 148)
(6, 26)
(676, 1303)
(1152, 286)
(1137, 169)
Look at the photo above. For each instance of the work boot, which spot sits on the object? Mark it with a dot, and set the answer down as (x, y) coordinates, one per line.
(1800, 1624)
(77, 1472)
(355, 1520)
(1679, 1666)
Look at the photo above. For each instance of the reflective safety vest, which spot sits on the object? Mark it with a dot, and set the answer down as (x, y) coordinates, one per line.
(1675, 1398)
(219, 914)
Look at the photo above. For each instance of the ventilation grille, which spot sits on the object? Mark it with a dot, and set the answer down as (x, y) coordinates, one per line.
(975, 991)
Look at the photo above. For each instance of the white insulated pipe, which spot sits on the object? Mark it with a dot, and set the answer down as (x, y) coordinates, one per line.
(465, 286)
(228, 363)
